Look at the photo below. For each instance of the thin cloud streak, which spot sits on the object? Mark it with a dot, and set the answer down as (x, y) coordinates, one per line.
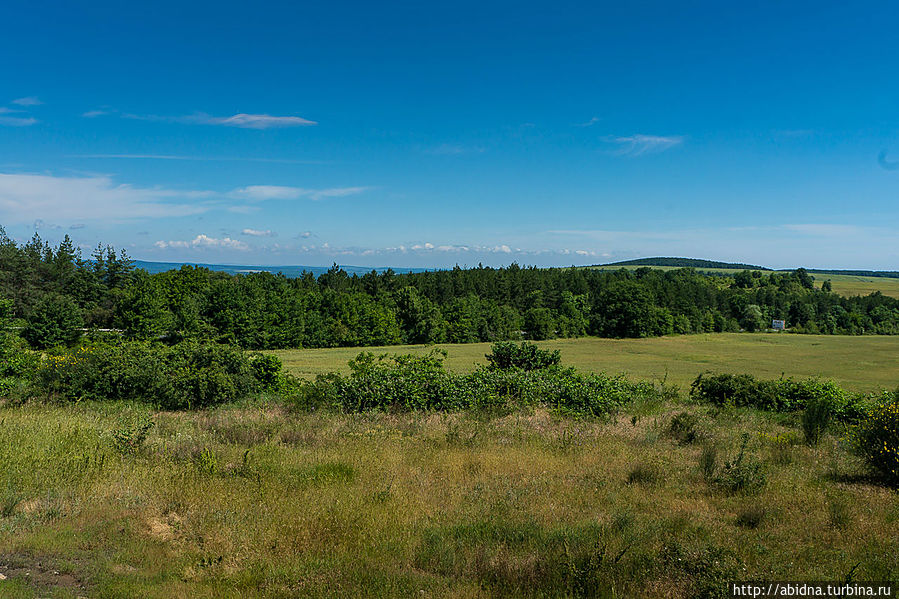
(15, 121)
(27, 101)
(196, 158)
(241, 120)
(639, 144)
(259, 193)
(589, 123)
(258, 233)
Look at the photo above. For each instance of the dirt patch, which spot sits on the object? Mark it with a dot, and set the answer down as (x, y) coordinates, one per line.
(164, 528)
(39, 572)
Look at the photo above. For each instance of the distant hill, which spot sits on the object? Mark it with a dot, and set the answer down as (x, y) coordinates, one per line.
(686, 263)
(288, 271)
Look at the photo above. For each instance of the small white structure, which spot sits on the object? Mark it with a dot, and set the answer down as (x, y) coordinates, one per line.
(778, 325)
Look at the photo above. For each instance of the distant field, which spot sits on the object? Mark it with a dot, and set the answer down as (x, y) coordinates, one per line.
(845, 285)
(859, 363)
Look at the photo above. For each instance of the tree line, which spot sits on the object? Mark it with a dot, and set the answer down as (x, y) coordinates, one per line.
(55, 293)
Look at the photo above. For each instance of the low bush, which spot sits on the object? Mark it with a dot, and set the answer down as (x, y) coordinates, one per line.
(404, 383)
(781, 395)
(17, 363)
(686, 428)
(527, 356)
(186, 375)
(876, 438)
(816, 417)
(739, 475)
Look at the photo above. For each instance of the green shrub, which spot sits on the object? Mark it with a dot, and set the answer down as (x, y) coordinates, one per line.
(685, 428)
(741, 475)
(267, 370)
(816, 417)
(527, 356)
(17, 363)
(186, 375)
(876, 438)
(403, 383)
(128, 438)
(781, 395)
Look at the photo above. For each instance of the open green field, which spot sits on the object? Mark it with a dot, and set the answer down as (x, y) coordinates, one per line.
(858, 363)
(845, 285)
(254, 501)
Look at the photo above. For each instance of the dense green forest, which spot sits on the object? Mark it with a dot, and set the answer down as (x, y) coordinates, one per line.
(52, 292)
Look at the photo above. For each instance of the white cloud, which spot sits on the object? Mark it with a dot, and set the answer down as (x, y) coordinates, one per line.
(589, 123)
(17, 121)
(91, 114)
(204, 241)
(195, 158)
(258, 193)
(27, 101)
(258, 233)
(637, 145)
(26, 198)
(825, 230)
(242, 120)
(453, 150)
(258, 121)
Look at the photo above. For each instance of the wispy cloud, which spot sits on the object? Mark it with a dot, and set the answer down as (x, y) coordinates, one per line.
(26, 198)
(92, 114)
(258, 193)
(453, 150)
(241, 120)
(589, 123)
(27, 101)
(884, 162)
(258, 233)
(639, 144)
(17, 121)
(204, 241)
(194, 158)
(825, 230)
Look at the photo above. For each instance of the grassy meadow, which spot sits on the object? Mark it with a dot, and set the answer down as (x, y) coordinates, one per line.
(665, 498)
(858, 363)
(255, 501)
(845, 285)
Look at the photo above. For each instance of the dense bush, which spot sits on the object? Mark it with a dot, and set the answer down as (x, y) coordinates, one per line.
(781, 395)
(402, 383)
(186, 375)
(527, 356)
(17, 363)
(877, 439)
(55, 320)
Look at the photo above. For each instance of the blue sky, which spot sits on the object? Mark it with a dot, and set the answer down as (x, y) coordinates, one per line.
(429, 134)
